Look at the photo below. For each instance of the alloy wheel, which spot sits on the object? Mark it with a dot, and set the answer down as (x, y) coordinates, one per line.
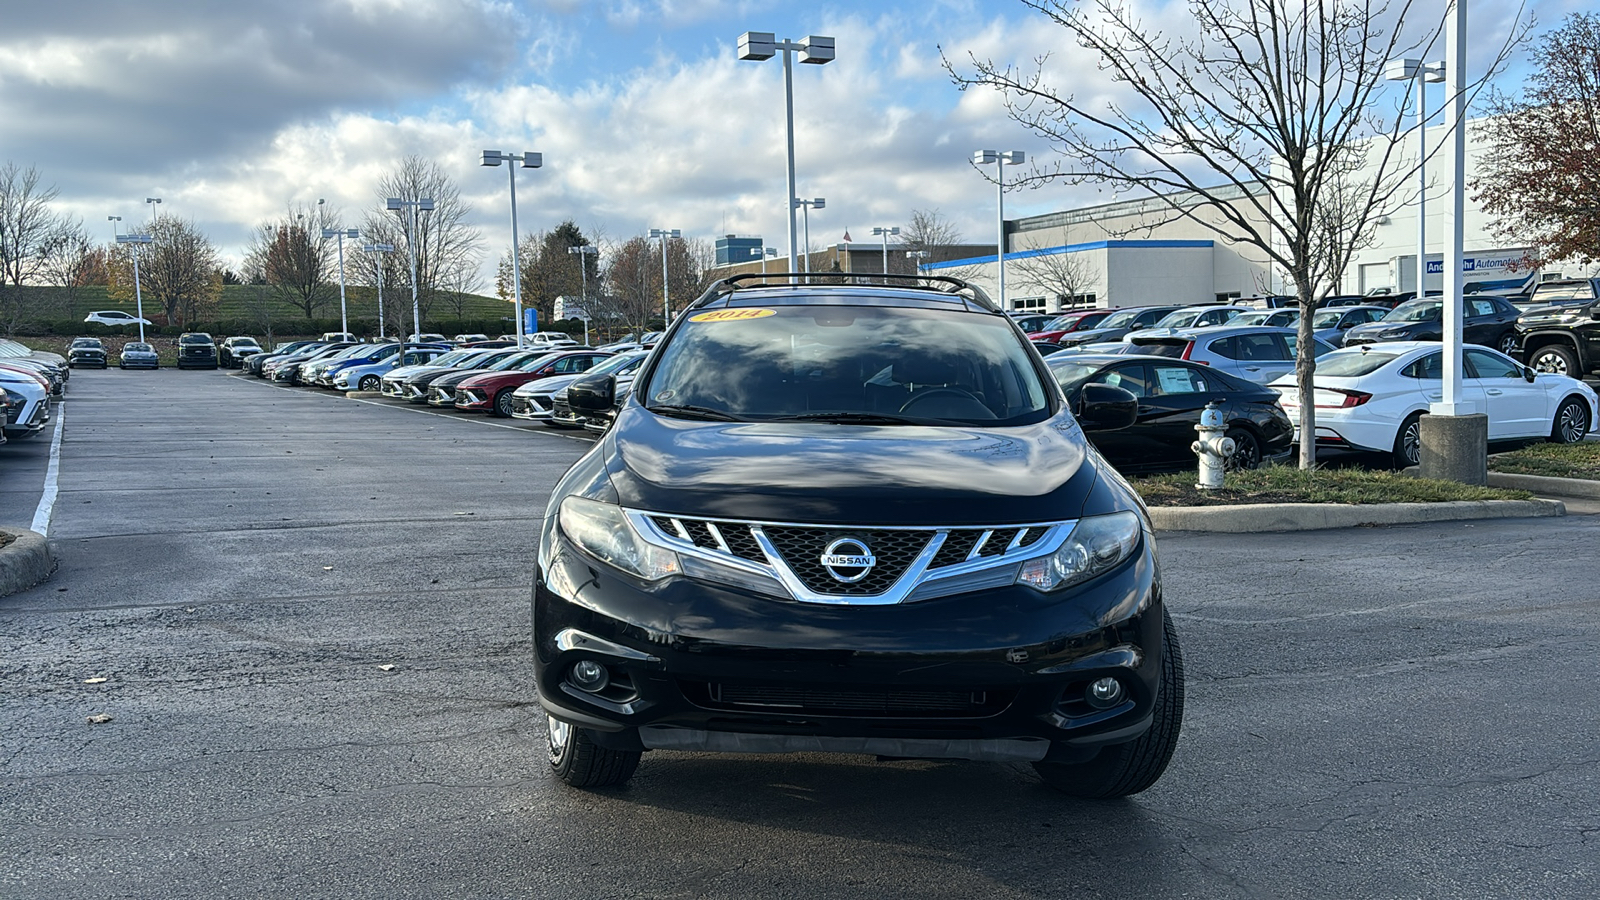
(1572, 422)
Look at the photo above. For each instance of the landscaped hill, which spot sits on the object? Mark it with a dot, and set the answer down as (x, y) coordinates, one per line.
(250, 308)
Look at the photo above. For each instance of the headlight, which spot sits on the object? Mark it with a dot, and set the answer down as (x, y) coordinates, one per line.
(604, 532)
(1097, 544)
(13, 398)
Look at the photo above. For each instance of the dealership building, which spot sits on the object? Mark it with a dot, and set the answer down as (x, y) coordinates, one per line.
(1147, 251)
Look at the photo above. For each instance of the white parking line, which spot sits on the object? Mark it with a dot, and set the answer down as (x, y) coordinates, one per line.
(47, 500)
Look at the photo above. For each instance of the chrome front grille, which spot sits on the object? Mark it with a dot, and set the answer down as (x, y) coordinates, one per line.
(787, 558)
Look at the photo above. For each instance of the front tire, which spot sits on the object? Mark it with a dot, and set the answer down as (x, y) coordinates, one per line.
(1555, 359)
(502, 404)
(1571, 422)
(369, 383)
(1124, 769)
(1408, 442)
(576, 759)
(1507, 344)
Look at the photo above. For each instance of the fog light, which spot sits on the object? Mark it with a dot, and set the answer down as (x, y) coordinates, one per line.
(1103, 693)
(588, 675)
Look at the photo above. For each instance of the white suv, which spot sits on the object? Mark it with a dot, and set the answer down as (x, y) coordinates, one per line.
(114, 317)
(548, 340)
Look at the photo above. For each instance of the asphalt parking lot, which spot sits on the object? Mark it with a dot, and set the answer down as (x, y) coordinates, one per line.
(310, 615)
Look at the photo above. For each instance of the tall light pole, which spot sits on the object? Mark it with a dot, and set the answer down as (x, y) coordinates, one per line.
(381, 248)
(806, 207)
(584, 251)
(424, 204)
(341, 234)
(999, 158)
(1406, 70)
(138, 295)
(528, 161)
(113, 220)
(663, 234)
(816, 50)
(886, 233)
(152, 202)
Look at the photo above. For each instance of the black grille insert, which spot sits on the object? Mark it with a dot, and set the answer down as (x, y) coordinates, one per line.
(802, 549)
(849, 700)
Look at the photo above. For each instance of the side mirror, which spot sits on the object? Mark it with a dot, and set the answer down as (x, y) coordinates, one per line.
(592, 395)
(1529, 374)
(1102, 407)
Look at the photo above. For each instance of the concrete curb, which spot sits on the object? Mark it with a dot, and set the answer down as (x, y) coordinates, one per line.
(363, 395)
(1547, 486)
(25, 561)
(1261, 517)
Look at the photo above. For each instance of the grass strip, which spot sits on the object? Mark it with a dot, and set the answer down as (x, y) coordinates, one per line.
(1287, 484)
(1580, 460)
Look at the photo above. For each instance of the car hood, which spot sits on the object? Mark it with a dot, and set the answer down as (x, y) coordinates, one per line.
(405, 372)
(1381, 327)
(451, 377)
(1093, 334)
(848, 474)
(1552, 315)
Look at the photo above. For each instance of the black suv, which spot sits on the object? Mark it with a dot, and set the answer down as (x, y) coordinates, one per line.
(1563, 338)
(861, 519)
(86, 351)
(196, 350)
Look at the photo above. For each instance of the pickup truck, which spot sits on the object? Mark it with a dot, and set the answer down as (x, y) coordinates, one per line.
(1564, 338)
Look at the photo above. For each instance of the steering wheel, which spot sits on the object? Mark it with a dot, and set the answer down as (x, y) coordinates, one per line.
(940, 392)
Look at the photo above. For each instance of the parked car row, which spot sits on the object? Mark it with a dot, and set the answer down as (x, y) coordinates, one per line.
(29, 381)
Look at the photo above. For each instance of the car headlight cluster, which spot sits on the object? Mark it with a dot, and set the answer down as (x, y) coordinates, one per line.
(1096, 545)
(603, 531)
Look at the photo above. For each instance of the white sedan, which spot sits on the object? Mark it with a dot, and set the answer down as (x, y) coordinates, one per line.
(1371, 398)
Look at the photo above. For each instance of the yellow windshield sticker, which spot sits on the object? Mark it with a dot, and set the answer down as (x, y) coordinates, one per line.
(732, 315)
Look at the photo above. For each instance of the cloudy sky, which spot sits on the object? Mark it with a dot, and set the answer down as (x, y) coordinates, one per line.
(230, 111)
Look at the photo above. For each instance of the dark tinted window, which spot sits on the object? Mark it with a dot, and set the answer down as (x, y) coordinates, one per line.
(1484, 364)
(1131, 378)
(1429, 367)
(195, 339)
(1149, 318)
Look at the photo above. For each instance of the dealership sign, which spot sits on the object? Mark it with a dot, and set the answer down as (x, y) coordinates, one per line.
(1471, 264)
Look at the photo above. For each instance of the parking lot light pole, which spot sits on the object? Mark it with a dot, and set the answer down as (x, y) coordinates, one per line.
(584, 251)
(152, 202)
(806, 207)
(1406, 70)
(999, 158)
(380, 249)
(138, 295)
(424, 204)
(919, 256)
(663, 234)
(886, 233)
(815, 50)
(113, 220)
(528, 161)
(341, 234)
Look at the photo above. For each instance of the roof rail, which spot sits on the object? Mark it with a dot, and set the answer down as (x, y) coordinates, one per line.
(942, 283)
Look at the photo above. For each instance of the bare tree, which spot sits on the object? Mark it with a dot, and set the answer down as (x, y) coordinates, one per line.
(29, 231)
(179, 270)
(444, 243)
(73, 261)
(631, 296)
(1064, 276)
(932, 238)
(1263, 94)
(1539, 179)
(293, 257)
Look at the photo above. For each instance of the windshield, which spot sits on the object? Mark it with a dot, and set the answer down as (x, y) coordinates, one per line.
(139, 348)
(1071, 374)
(86, 342)
(868, 365)
(1326, 319)
(1415, 311)
(615, 364)
(1119, 320)
(1353, 363)
(1250, 318)
(453, 357)
(529, 364)
(245, 342)
(195, 339)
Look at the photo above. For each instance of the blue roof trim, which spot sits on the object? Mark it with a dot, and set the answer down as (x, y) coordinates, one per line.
(1078, 248)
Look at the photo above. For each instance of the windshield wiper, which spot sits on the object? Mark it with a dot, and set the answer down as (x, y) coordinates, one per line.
(695, 412)
(856, 418)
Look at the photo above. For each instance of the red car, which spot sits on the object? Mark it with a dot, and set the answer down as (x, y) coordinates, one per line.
(491, 391)
(1066, 323)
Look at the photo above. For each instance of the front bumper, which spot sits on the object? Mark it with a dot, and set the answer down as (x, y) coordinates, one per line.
(532, 408)
(993, 674)
(471, 400)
